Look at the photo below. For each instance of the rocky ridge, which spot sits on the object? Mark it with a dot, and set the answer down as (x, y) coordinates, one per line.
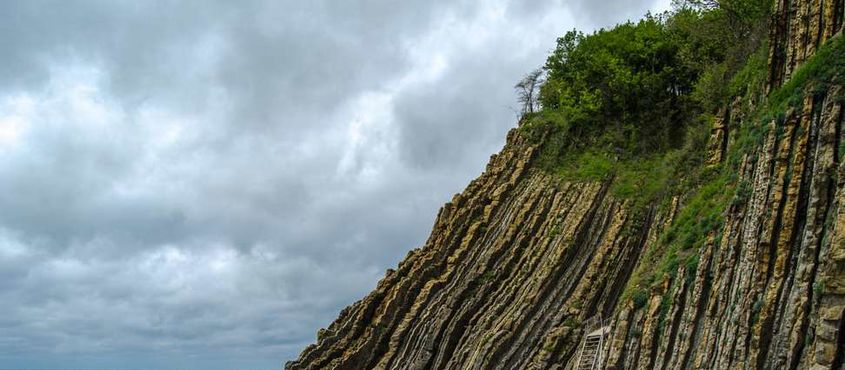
(518, 261)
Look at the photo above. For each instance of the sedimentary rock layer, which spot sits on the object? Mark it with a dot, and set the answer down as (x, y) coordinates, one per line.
(767, 292)
(513, 264)
(520, 260)
(798, 28)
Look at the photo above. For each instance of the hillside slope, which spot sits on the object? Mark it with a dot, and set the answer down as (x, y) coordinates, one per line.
(518, 263)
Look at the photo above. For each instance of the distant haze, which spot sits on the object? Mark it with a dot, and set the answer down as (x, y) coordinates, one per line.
(203, 185)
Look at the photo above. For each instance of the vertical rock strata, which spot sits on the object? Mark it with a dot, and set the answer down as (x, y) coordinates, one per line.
(798, 28)
(511, 268)
(520, 259)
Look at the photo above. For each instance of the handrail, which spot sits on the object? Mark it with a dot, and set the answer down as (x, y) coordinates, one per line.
(591, 325)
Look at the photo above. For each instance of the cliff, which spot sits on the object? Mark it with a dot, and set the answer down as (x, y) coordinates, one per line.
(521, 261)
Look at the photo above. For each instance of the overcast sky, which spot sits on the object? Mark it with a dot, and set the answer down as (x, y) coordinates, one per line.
(203, 185)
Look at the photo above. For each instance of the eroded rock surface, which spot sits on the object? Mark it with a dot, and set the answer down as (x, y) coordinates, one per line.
(520, 259)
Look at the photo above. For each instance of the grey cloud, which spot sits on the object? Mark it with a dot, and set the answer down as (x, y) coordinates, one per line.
(445, 123)
(610, 12)
(204, 184)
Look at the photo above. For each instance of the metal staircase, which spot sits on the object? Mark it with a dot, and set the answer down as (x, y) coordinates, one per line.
(591, 355)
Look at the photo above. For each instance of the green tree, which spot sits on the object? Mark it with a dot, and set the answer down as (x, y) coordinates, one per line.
(623, 87)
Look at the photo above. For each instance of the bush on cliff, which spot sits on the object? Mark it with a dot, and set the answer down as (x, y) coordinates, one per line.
(634, 102)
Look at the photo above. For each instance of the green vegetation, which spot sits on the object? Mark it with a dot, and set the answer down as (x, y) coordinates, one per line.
(487, 277)
(819, 287)
(755, 311)
(620, 89)
(825, 68)
(640, 298)
(633, 106)
(702, 214)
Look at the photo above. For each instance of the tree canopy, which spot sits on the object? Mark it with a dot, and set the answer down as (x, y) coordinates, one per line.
(634, 88)
(626, 82)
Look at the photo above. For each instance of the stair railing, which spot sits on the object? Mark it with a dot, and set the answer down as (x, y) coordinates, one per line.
(595, 359)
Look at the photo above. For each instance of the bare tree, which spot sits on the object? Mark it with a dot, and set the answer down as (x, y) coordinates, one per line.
(701, 4)
(528, 90)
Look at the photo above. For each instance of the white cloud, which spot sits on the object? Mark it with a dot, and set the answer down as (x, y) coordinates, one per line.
(215, 182)
(14, 120)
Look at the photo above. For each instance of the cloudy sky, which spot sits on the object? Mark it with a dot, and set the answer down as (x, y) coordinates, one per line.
(203, 184)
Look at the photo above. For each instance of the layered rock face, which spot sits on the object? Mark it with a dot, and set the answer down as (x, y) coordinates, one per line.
(767, 292)
(513, 265)
(799, 27)
(518, 262)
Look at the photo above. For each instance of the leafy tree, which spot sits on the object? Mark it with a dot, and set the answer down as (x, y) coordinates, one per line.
(636, 88)
(718, 37)
(742, 15)
(624, 87)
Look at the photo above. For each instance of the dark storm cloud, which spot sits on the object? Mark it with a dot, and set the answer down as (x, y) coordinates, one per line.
(204, 184)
